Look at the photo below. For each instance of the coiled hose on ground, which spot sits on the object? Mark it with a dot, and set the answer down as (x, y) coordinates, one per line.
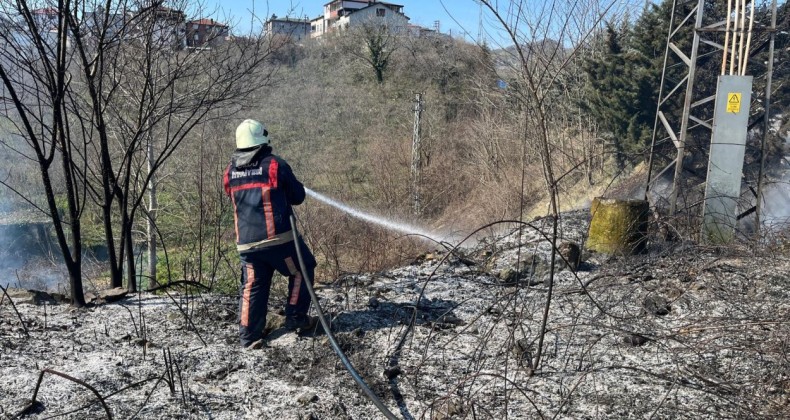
(349, 367)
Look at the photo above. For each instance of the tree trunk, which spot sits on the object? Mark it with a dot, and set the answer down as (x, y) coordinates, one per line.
(74, 259)
(116, 275)
(618, 226)
(130, 268)
(71, 257)
(75, 281)
(151, 226)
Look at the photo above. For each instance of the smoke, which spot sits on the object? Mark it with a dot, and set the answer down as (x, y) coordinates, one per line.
(26, 260)
(775, 211)
(377, 220)
(659, 192)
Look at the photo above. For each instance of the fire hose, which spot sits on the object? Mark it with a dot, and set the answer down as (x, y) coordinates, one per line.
(349, 367)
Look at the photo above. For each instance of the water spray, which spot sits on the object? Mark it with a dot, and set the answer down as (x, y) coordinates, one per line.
(388, 224)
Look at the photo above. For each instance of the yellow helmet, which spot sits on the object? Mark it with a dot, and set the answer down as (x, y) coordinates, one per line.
(251, 133)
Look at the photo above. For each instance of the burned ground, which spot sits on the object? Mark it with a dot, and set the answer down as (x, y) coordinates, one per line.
(680, 332)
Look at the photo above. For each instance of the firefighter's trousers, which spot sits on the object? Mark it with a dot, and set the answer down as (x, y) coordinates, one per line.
(256, 279)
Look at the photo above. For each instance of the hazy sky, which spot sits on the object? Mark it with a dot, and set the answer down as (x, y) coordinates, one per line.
(462, 17)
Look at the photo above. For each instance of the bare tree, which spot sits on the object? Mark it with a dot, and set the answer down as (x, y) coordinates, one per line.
(34, 66)
(373, 43)
(120, 80)
(545, 41)
(163, 94)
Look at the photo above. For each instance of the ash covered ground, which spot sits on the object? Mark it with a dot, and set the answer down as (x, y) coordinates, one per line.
(680, 332)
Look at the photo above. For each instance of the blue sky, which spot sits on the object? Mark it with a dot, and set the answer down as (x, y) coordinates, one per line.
(463, 14)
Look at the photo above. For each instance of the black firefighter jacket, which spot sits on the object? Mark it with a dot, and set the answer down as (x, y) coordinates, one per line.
(262, 187)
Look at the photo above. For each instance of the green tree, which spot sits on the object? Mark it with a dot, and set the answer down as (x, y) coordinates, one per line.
(620, 94)
(624, 79)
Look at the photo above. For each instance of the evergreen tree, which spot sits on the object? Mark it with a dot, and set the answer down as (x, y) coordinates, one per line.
(623, 81)
(618, 94)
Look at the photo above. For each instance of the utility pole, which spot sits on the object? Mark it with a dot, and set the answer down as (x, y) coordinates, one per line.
(416, 155)
(480, 25)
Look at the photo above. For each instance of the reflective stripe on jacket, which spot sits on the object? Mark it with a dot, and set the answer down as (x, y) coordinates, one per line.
(262, 187)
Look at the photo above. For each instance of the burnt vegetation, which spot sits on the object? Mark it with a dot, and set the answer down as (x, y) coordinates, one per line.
(516, 320)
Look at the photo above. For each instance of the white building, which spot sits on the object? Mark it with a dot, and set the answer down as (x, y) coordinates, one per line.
(113, 27)
(317, 27)
(169, 28)
(383, 14)
(296, 29)
(348, 13)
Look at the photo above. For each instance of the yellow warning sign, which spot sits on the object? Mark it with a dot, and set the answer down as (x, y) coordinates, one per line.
(734, 102)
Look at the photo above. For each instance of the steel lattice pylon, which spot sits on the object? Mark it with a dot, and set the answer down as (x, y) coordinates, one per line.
(688, 123)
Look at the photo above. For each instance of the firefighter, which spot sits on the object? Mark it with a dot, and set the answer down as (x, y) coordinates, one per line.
(263, 188)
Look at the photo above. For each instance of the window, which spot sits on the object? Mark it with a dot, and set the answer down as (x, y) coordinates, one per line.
(381, 12)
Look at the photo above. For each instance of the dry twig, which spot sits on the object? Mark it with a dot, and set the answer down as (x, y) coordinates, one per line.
(21, 321)
(33, 402)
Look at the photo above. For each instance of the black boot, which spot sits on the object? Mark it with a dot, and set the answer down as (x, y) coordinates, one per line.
(301, 323)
